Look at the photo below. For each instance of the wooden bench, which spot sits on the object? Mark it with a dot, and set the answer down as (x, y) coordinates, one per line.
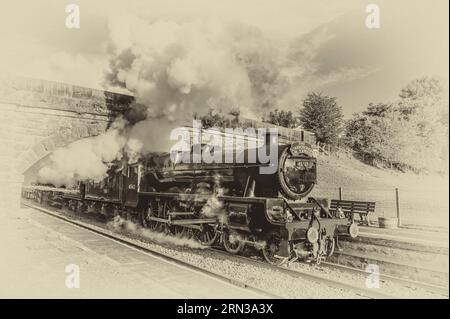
(352, 207)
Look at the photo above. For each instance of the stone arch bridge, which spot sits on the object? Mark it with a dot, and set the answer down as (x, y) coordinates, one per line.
(38, 117)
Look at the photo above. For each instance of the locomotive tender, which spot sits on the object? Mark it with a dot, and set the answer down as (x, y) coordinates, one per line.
(227, 203)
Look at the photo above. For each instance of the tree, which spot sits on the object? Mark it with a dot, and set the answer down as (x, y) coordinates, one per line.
(219, 120)
(282, 118)
(412, 131)
(379, 109)
(424, 87)
(425, 103)
(322, 115)
(425, 97)
(374, 135)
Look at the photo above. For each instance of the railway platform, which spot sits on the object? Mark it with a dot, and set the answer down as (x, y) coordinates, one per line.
(426, 240)
(433, 237)
(42, 257)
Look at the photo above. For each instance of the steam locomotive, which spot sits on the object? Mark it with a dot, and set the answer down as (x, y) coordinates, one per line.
(231, 204)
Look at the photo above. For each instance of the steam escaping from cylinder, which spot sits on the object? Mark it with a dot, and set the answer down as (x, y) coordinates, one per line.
(118, 224)
(214, 206)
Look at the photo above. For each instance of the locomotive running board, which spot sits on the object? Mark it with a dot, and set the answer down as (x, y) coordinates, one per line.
(204, 197)
(183, 222)
(181, 196)
(181, 213)
(193, 221)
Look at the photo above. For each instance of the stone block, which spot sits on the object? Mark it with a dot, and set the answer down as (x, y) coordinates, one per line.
(39, 150)
(49, 144)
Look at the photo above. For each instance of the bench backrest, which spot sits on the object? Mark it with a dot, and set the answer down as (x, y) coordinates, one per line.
(353, 206)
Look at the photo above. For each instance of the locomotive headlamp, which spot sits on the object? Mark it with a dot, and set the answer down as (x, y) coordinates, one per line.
(312, 235)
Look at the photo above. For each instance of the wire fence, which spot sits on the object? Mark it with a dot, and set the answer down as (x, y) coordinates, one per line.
(424, 207)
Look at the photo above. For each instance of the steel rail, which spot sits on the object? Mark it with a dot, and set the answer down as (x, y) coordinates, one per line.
(441, 290)
(363, 292)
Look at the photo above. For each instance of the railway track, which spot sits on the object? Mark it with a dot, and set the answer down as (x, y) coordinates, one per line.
(441, 290)
(393, 267)
(136, 245)
(294, 273)
(363, 292)
(367, 256)
(407, 244)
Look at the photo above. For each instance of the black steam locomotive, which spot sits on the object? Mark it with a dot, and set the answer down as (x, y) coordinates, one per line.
(232, 204)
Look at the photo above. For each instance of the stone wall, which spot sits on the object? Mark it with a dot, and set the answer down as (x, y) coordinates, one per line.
(37, 117)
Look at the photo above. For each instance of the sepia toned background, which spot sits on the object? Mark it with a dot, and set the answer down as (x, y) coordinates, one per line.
(64, 92)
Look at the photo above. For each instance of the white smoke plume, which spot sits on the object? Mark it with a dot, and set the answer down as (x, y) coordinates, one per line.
(119, 224)
(180, 68)
(214, 206)
(84, 159)
(177, 69)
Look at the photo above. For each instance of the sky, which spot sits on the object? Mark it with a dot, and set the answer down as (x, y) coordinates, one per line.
(345, 59)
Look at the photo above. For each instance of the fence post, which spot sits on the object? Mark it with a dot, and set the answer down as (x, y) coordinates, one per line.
(397, 203)
(340, 193)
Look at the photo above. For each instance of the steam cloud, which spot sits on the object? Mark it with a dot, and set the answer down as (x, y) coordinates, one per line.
(176, 69)
(84, 159)
(119, 224)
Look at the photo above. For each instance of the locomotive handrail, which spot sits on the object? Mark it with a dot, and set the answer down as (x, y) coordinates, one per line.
(218, 165)
(321, 207)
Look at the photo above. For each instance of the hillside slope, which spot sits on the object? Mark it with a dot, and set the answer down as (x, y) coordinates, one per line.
(423, 198)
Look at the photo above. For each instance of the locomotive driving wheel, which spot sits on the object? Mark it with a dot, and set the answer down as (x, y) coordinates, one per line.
(153, 210)
(272, 248)
(144, 217)
(163, 212)
(207, 235)
(231, 242)
(176, 230)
